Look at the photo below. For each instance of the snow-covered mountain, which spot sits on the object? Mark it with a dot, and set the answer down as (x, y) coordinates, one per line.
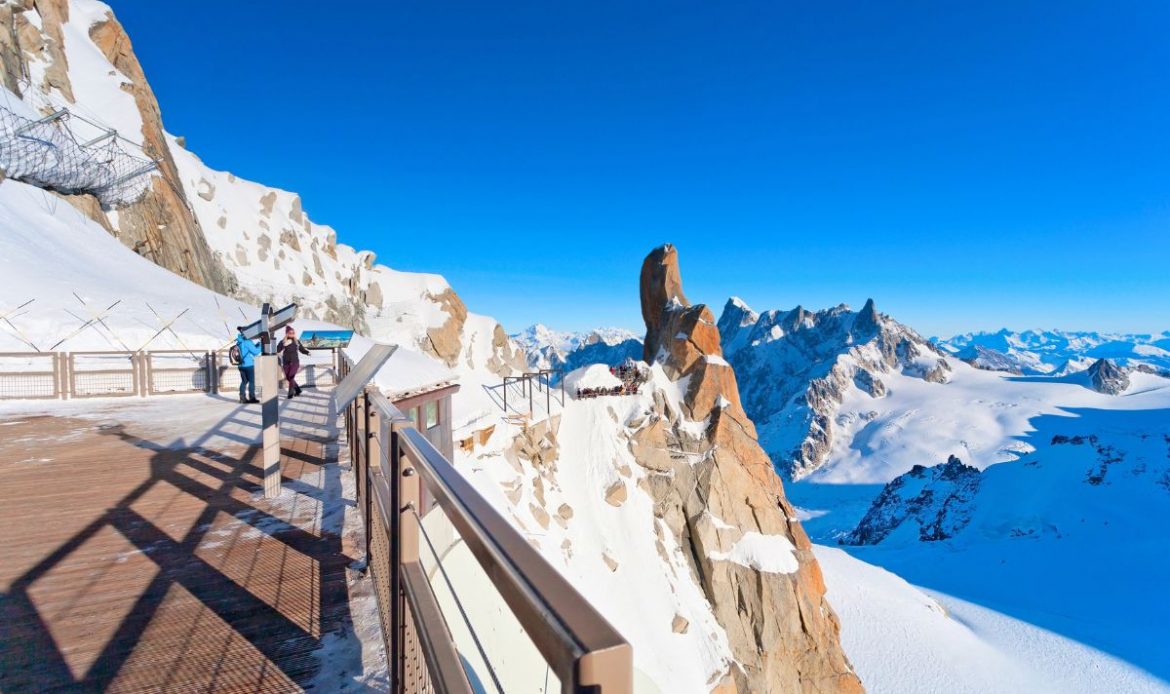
(1027, 556)
(1048, 538)
(1058, 352)
(798, 365)
(594, 485)
(979, 486)
(546, 348)
(249, 241)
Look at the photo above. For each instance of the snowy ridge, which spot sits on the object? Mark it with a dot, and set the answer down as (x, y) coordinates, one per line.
(797, 366)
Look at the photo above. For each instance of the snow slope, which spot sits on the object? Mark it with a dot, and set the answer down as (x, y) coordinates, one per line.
(905, 640)
(49, 251)
(1036, 549)
(622, 558)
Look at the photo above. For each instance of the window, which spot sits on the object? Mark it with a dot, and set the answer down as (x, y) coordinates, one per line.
(413, 414)
(432, 414)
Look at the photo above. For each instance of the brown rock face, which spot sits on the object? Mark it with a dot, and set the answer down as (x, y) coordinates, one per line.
(660, 284)
(160, 226)
(446, 341)
(781, 629)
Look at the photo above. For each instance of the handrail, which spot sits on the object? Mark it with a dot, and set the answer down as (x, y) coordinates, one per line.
(395, 460)
(573, 637)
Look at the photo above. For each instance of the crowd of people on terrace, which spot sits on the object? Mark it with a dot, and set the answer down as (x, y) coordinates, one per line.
(631, 378)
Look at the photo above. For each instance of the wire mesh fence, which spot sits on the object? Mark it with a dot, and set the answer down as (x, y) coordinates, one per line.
(170, 372)
(49, 375)
(26, 376)
(103, 374)
(48, 153)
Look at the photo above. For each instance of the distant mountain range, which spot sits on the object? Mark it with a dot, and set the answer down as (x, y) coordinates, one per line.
(546, 348)
(1057, 352)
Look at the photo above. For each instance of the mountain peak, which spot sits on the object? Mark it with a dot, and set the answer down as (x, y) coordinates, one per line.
(868, 318)
(661, 290)
(1106, 377)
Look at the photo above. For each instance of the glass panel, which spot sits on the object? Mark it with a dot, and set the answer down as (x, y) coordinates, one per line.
(413, 414)
(508, 653)
(432, 414)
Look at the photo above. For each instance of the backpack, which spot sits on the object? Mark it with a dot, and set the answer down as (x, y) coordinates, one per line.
(234, 356)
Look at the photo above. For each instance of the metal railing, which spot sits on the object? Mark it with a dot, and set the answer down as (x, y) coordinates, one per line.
(403, 482)
(65, 375)
(541, 380)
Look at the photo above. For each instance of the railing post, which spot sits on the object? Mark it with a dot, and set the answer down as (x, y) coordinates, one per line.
(69, 366)
(61, 371)
(209, 367)
(404, 495)
(140, 365)
(373, 454)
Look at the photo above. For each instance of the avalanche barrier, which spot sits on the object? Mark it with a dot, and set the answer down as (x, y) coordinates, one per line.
(48, 154)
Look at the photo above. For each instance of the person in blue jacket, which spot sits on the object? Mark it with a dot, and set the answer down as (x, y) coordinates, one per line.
(248, 352)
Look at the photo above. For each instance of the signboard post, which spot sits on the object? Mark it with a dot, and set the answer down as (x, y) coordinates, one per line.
(267, 377)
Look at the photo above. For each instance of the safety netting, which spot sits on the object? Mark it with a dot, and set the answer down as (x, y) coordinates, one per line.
(47, 153)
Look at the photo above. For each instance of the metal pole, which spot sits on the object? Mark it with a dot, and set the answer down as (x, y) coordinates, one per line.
(266, 375)
(47, 119)
(270, 417)
(108, 134)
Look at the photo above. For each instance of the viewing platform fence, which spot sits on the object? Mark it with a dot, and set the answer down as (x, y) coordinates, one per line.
(98, 374)
(466, 603)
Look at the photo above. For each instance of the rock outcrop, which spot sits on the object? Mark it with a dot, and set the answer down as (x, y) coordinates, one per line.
(161, 226)
(1106, 377)
(723, 501)
(935, 503)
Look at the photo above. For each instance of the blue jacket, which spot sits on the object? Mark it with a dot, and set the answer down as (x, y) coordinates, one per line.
(248, 351)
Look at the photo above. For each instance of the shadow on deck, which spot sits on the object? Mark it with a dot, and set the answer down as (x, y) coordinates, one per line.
(132, 564)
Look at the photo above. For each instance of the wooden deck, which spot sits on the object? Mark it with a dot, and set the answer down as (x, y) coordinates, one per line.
(132, 564)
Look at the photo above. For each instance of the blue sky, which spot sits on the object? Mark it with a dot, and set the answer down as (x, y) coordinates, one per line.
(968, 165)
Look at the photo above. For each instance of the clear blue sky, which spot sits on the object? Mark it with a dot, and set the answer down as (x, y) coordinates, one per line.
(968, 165)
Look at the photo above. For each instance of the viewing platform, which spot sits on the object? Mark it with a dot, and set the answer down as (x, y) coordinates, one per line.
(141, 555)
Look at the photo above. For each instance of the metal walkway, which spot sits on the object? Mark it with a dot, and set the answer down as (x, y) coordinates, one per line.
(133, 564)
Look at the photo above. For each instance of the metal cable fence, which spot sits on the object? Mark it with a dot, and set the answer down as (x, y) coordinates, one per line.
(47, 153)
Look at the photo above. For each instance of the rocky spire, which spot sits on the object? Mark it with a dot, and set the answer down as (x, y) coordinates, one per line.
(722, 495)
(867, 319)
(661, 289)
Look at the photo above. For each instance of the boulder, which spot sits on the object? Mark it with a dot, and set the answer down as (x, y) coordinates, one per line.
(616, 493)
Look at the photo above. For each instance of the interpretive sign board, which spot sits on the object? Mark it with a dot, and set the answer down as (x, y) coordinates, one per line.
(326, 339)
(363, 372)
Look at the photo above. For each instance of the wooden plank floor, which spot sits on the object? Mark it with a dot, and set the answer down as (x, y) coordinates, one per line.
(129, 564)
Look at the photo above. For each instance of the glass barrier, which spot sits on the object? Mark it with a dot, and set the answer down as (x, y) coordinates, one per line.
(497, 653)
